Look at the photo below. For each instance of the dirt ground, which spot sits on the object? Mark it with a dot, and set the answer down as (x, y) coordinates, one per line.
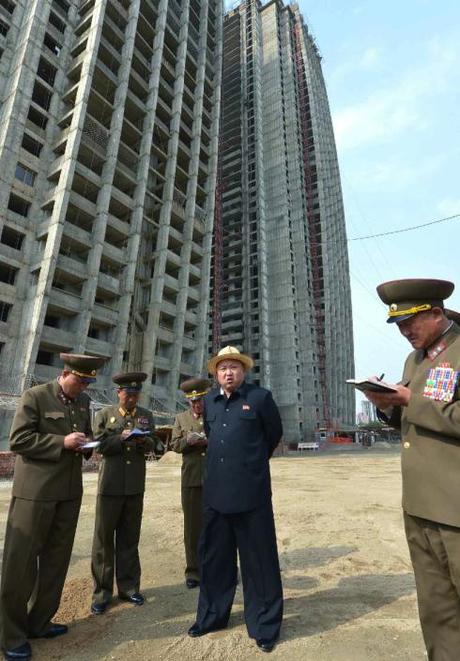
(348, 585)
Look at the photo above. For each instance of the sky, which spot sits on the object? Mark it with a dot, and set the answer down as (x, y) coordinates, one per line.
(392, 71)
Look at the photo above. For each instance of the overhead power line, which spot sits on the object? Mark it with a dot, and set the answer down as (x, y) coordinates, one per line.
(405, 229)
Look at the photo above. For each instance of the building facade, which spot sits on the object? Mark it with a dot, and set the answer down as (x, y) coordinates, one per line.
(281, 288)
(108, 153)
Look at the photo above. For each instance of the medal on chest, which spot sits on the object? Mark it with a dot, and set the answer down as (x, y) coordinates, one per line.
(441, 383)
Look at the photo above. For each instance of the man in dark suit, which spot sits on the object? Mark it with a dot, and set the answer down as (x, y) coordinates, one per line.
(49, 431)
(426, 407)
(243, 427)
(189, 439)
(126, 435)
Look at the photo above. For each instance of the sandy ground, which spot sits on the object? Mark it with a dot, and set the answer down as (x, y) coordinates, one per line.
(349, 589)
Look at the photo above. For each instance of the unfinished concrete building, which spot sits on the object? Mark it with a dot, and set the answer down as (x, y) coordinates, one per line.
(281, 287)
(108, 152)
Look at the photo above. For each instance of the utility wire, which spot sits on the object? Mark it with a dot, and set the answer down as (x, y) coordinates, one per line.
(405, 229)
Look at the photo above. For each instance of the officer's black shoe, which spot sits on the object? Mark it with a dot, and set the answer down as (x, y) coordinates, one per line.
(137, 598)
(21, 653)
(55, 630)
(191, 583)
(99, 607)
(266, 645)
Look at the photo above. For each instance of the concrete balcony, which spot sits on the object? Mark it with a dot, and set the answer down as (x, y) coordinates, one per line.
(194, 294)
(166, 334)
(82, 203)
(188, 342)
(169, 308)
(162, 363)
(13, 256)
(78, 235)
(122, 197)
(59, 339)
(7, 292)
(66, 301)
(113, 254)
(99, 347)
(187, 369)
(172, 258)
(191, 318)
(46, 372)
(108, 284)
(195, 271)
(105, 314)
(78, 270)
(171, 282)
(118, 225)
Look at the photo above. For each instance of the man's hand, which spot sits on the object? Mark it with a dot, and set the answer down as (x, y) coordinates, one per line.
(125, 433)
(196, 438)
(386, 400)
(74, 440)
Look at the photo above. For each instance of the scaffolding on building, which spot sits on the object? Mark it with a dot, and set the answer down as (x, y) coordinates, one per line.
(313, 219)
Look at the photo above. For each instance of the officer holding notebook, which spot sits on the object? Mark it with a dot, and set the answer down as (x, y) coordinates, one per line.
(426, 407)
(126, 435)
(50, 435)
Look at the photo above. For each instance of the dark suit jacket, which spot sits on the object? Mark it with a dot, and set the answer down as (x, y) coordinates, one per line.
(44, 469)
(242, 432)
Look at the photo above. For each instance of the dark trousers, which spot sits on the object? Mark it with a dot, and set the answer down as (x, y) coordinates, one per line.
(192, 508)
(435, 554)
(253, 535)
(38, 545)
(115, 545)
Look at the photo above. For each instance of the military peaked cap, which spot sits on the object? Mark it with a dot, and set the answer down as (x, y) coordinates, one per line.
(408, 297)
(83, 366)
(129, 381)
(195, 388)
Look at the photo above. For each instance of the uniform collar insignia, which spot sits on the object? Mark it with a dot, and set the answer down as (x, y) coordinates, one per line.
(434, 351)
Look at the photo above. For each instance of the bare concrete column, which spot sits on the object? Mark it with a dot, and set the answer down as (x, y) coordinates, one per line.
(201, 353)
(132, 250)
(108, 171)
(157, 283)
(186, 252)
(33, 323)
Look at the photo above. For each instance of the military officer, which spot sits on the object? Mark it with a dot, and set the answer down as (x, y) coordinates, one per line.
(426, 407)
(49, 432)
(126, 435)
(243, 427)
(189, 439)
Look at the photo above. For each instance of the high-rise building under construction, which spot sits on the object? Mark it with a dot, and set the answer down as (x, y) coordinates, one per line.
(108, 154)
(281, 287)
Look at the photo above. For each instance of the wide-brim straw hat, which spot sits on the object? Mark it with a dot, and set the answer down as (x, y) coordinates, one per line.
(229, 353)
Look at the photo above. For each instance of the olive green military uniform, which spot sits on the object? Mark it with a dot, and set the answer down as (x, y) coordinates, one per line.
(119, 501)
(43, 514)
(430, 462)
(193, 462)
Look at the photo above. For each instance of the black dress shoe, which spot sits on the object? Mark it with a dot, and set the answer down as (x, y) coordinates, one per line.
(196, 631)
(99, 607)
(266, 645)
(191, 583)
(137, 598)
(21, 653)
(56, 630)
